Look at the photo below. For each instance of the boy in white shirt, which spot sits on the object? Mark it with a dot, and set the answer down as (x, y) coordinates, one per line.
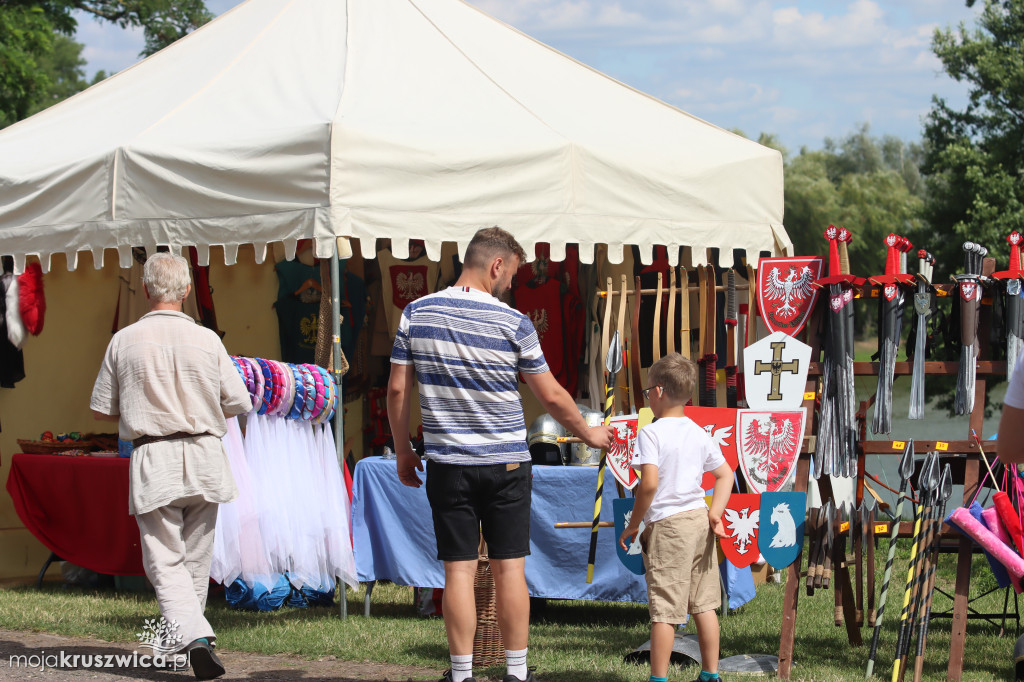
(679, 539)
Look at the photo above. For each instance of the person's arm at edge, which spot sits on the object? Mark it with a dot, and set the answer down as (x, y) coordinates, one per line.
(400, 385)
(560, 405)
(720, 498)
(105, 417)
(1011, 435)
(645, 490)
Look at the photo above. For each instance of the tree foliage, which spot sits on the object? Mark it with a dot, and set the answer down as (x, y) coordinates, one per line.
(975, 154)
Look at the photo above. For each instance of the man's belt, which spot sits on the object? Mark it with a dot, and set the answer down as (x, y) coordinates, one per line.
(177, 435)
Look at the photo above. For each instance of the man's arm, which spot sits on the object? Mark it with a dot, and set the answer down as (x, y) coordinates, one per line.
(560, 405)
(400, 386)
(1011, 435)
(105, 417)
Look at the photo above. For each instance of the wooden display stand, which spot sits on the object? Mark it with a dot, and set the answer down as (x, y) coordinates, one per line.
(966, 450)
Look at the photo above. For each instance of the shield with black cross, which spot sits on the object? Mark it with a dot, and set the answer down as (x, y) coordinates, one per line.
(775, 372)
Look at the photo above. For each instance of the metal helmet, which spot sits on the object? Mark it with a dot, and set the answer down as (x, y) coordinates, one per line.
(542, 438)
(581, 454)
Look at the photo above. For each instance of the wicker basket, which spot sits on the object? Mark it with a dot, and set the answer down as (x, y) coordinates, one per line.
(46, 447)
(488, 648)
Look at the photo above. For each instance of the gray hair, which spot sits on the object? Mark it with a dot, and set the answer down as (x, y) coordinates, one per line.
(166, 277)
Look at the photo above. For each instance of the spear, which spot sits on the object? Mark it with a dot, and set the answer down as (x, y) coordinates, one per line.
(906, 471)
(929, 484)
(869, 543)
(944, 493)
(970, 301)
(890, 327)
(1014, 306)
(612, 363)
(912, 569)
(923, 308)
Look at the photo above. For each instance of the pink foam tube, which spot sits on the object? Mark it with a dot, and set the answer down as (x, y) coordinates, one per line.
(990, 518)
(983, 536)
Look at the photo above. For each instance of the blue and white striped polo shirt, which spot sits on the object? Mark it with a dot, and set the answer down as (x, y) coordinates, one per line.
(467, 347)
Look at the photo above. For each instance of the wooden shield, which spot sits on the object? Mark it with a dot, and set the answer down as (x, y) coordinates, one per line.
(785, 291)
(769, 444)
(741, 520)
(720, 424)
(620, 456)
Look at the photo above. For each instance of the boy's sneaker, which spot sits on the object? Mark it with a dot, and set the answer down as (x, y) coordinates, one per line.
(448, 677)
(529, 677)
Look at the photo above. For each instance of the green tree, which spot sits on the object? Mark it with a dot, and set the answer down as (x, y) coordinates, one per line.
(975, 155)
(26, 36)
(64, 69)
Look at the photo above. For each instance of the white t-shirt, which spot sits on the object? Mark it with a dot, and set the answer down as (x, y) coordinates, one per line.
(1015, 391)
(682, 451)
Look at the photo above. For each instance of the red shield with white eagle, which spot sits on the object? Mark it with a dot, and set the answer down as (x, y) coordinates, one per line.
(620, 455)
(720, 425)
(786, 291)
(742, 521)
(769, 445)
(969, 290)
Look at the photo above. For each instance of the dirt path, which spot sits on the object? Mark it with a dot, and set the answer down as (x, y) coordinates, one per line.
(240, 665)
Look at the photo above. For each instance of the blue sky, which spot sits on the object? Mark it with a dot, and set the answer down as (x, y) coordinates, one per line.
(802, 70)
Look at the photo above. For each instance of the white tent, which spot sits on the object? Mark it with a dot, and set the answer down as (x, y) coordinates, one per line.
(420, 119)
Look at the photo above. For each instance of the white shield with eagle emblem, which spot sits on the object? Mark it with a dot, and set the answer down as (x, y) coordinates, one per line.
(768, 445)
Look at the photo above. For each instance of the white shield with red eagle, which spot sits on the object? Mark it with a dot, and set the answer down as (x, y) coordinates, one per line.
(742, 522)
(786, 291)
(769, 445)
(720, 424)
(620, 455)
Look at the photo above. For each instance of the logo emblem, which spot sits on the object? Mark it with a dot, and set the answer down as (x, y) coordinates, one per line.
(160, 636)
(632, 559)
(769, 445)
(889, 291)
(782, 535)
(620, 456)
(720, 424)
(741, 519)
(775, 372)
(785, 291)
(968, 290)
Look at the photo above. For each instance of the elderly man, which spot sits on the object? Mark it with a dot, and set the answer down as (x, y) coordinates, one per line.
(170, 385)
(465, 347)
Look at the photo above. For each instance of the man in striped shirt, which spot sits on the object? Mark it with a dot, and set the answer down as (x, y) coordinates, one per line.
(465, 349)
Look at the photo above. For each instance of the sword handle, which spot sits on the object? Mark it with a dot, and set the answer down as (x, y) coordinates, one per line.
(1014, 238)
(845, 237)
(832, 235)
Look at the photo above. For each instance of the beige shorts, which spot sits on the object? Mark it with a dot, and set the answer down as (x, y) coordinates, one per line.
(680, 558)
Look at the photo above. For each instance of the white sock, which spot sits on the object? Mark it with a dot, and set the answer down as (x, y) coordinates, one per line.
(462, 667)
(516, 663)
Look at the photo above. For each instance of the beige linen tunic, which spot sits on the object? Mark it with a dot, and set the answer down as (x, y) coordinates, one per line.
(165, 374)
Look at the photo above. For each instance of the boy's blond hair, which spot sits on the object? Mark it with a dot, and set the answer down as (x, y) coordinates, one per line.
(676, 375)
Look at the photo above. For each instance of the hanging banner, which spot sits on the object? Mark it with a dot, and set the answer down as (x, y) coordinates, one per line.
(785, 291)
(769, 446)
(720, 424)
(781, 537)
(741, 523)
(631, 558)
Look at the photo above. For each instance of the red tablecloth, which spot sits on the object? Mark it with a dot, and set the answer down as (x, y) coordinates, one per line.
(78, 508)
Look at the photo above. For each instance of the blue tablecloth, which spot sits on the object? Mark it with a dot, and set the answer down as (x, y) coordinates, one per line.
(393, 534)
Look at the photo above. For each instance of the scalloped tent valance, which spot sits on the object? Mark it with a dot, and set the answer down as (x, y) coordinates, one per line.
(403, 119)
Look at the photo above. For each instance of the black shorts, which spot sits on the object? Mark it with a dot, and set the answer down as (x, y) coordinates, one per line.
(464, 499)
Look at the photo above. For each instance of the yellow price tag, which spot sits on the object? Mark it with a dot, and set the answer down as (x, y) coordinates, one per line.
(809, 395)
(881, 528)
(942, 445)
(844, 526)
(898, 445)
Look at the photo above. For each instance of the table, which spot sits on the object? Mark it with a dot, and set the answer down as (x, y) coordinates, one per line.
(393, 534)
(78, 508)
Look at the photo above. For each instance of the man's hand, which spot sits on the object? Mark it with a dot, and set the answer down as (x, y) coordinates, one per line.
(599, 437)
(408, 463)
(717, 527)
(628, 534)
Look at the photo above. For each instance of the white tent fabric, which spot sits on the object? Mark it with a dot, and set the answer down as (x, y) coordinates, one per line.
(401, 119)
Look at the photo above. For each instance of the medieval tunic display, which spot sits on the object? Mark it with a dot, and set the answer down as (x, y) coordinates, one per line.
(160, 375)
(404, 281)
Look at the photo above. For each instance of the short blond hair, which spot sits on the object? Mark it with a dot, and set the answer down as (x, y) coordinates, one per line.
(489, 243)
(676, 375)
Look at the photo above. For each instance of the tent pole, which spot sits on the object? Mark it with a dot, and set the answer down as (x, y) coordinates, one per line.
(339, 412)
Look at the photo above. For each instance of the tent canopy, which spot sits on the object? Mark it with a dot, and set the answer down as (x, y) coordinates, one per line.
(401, 119)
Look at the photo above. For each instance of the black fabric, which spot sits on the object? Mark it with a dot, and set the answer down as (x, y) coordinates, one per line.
(12, 361)
(463, 499)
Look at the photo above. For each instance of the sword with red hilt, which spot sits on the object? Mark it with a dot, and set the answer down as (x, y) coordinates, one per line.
(892, 300)
(1014, 307)
(836, 453)
(923, 309)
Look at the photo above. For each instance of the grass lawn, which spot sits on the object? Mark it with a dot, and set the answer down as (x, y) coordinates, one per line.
(571, 641)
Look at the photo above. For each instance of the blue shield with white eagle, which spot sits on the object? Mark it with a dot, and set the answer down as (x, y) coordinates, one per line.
(631, 558)
(782, 527)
